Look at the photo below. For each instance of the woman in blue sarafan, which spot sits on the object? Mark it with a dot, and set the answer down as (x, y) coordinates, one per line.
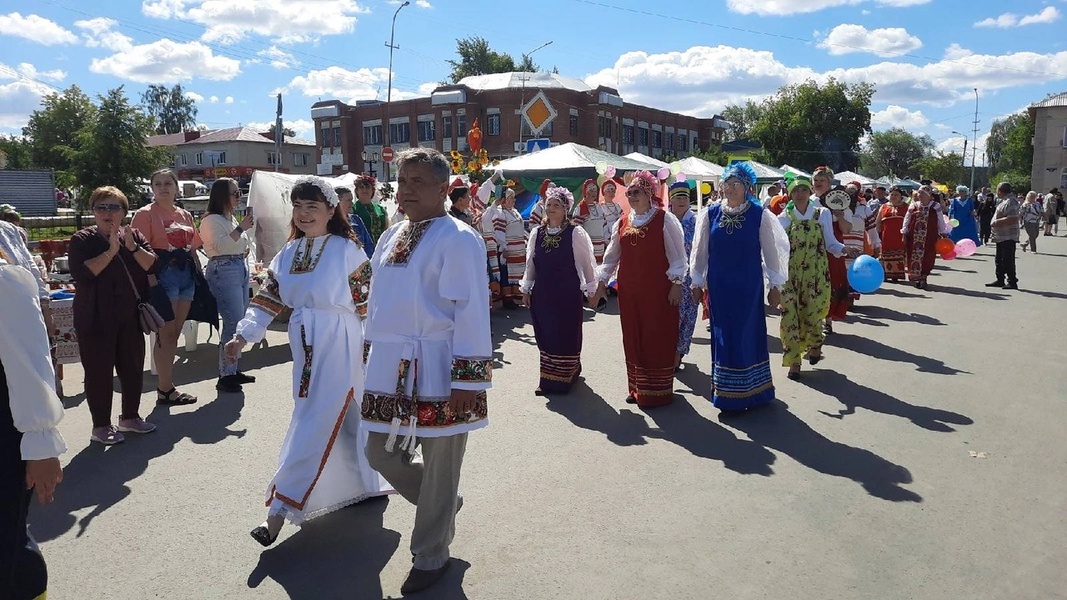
(737, 244)
(963, 210)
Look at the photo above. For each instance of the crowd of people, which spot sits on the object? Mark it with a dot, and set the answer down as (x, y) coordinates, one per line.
(389, 318)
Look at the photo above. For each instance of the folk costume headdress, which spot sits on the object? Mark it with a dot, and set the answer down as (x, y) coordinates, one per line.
(743, 172)
(680, 188)
(324, 187)
(615, 181)
(647, 182)
(561, 194)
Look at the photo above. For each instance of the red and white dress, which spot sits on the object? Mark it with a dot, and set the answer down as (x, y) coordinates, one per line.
(510, 235)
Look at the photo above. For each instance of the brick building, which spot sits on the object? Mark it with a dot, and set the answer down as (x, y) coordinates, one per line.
(1050, 143)
(233, 152)
(595, 117)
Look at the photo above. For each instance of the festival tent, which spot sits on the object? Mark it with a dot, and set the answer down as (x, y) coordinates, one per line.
(646, 158)
(268, 197)
(847, 176)
(908, 184)
(698, 168)
(766, 173)
(794, 170)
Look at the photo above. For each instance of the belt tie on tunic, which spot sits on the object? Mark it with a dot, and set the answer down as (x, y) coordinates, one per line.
(409, 364)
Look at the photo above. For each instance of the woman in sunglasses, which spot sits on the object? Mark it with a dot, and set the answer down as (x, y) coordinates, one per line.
(110, 265)
(227, 245)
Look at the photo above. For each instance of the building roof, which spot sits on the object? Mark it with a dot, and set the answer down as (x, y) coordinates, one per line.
(230, 134)
(171, 139)
(1057, 100)
(514, 79)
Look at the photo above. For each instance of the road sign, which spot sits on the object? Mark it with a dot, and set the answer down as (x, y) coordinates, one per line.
(538, 113)
(387, 154)
(538, 144)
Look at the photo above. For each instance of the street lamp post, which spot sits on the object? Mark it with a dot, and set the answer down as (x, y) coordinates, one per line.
(389, 91)
(974, 145)
(963, 159)
(522, 95)
(371, 160)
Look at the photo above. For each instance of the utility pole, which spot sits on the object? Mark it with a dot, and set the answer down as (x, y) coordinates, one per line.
(963, 159)
(389, 92)
(974, 145)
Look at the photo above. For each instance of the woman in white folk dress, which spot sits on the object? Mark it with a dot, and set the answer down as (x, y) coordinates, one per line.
(324, 276)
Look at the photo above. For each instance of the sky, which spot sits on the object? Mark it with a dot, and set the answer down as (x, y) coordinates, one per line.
(925, 57)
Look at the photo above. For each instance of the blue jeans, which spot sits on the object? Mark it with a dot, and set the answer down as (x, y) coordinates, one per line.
(178, 283)
(227, 276)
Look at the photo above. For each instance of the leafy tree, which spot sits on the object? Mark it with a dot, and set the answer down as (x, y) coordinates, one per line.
(286, 131)
(894, 152)
(17, 152)
(807, 125)
(52, 132)
(112, 147)
(741, 118)
(172, 110)
(477, 58)
(941, 167)
(1009, 146)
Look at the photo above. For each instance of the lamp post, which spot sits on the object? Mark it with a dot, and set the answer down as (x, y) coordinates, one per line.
(963, 159)
(974, 145)
(522, 95)
(389, 91)
(371, 160)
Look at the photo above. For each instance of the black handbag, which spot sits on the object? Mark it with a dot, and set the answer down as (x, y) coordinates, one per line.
(157, 297)
(205, 308)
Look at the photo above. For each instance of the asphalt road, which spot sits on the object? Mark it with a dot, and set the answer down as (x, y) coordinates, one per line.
(924, 458)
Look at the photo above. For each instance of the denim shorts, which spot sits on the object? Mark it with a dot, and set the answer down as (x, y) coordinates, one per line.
(178, 283)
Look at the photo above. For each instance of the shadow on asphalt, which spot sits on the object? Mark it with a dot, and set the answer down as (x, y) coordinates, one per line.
(946, 289)
(776, 428)
(508, 325)
(96, 478)
(338, 555)
(588, 410)
(854, 395)
(1055, 295)
(869, 347)
(899, 293)
(888, 314)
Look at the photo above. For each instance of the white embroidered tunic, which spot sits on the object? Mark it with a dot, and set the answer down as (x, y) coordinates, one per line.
(427, 330)
(510, 235)
(322, 465)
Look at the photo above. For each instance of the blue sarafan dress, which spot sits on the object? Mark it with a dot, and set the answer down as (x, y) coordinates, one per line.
(741, 369)
(963, 211)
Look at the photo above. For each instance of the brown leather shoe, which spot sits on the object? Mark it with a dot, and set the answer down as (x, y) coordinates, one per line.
(419, 580)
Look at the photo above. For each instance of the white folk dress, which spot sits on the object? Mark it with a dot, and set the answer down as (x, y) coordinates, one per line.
(511, 236)
(427, 331)
(322, 465)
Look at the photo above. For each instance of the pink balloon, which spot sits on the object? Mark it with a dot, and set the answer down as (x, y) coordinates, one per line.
(609, 172)
(966, 247)
(664, 173)
(679, 177)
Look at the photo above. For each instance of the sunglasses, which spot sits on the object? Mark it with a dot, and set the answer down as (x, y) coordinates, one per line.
(108, 208)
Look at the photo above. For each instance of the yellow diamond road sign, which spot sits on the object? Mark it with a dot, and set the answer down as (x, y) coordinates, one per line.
(538, 113)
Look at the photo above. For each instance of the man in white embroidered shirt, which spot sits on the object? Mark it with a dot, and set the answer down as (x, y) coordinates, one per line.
(429, 356)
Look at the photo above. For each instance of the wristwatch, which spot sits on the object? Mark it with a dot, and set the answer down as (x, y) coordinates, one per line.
(239, 229)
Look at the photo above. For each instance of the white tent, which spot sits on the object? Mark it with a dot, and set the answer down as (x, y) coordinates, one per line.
(646, 158)
(844, 177)
(794, 170)
(698, 168)
(268, 197)
(568, 160)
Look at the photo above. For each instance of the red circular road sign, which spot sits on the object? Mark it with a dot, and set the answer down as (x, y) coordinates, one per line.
(387, 154)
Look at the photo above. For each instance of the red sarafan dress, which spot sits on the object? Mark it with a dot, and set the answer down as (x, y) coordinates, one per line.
(893, 257)
(840, 301)
(920, 241)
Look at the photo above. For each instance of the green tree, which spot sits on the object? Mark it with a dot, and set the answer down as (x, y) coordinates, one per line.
(1009, 146)
(941, 167)
(17, 153)
(172, 110)
(286, 131)
(477, 58)
(112, 147)
(52, 132)
(894, 152)
(741, 118)
(807, 125)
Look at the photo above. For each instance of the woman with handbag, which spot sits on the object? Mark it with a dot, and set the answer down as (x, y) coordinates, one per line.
(172, 234)
(227, 244)
(110, 265)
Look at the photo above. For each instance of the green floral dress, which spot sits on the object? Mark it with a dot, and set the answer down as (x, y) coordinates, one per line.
(806, 296)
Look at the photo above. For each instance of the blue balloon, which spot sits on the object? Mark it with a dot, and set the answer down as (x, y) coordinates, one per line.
(866, 274)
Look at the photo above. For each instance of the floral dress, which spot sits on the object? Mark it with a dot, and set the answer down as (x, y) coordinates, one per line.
(687, 308)
(806, 295)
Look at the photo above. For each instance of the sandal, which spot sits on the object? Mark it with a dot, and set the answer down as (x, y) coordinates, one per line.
(174, 398)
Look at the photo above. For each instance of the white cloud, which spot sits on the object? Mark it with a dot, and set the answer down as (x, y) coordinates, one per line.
(345, 85)
(214, 99)
(423, 4)
(100, 33)
(21, 97)
(846, 39)
(279, 59)
(194, 97)
(956, 144)
(229, 100)
(166, 61)
(28, 71)
(285, 21)
(302, 127)
(36, 29)
(1050, 14)
(898, 116)
(775, 8)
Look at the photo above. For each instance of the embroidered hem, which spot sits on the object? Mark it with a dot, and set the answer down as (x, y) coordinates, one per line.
(472, 370)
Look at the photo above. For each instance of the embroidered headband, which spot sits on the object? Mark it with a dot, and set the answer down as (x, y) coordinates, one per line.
(561, 194)
(324, 187)
(647, 183)
(365, 179)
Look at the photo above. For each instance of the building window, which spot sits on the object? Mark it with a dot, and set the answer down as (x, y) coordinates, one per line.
(461, 132)
(546, 131)
(199, 158)
(327, 137)
(642, 136)
(372, 135)
(300, 159)
(221, 159)
(574, 125)
(492, 124)
(399, 133)
(337, 136)
(603, 126)
(184, 160)
(628, 135)
(272, 158)
(683, 143)
(427, 131)
(694, 145)
(446, 125)
(657, 139)
(670, 141)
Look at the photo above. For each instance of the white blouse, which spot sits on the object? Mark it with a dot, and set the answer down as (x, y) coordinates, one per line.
(826, 221)
(673, 243)
(773, 240)
(942, 226)
(24, 351)
(215, 231)
(584, 261)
